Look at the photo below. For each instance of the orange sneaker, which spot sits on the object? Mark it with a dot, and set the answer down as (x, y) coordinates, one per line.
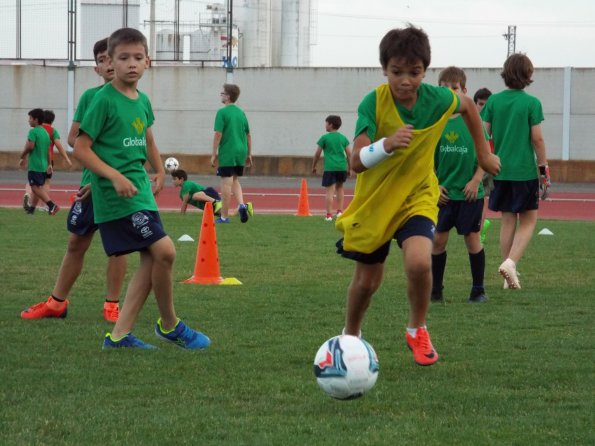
(111, 311)
(422, 348)
(50, 308)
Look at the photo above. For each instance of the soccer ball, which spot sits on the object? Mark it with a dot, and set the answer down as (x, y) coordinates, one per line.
(346, 367)
(171, 164)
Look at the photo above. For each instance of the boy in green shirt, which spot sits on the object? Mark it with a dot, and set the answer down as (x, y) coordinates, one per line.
(336, 163)
(461, 195)
(514, 118)
(81, 225)
(195, 194)
(114, 142)
(232, 150)
(39, 168)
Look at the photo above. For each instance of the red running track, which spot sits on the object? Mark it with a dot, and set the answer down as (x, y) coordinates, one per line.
(560, 206)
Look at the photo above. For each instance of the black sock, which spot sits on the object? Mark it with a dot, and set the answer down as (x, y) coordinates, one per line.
(50, 204)
(438, 267)
(112, 301)
(478, 266)
(57, 299)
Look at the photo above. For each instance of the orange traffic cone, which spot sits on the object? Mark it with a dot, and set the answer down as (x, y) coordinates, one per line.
(206, 267)
(303, 206)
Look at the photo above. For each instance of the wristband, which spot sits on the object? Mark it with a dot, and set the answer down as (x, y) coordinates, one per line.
(373, 154)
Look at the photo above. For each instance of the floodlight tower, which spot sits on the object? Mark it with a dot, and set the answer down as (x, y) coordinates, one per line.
(510, 36)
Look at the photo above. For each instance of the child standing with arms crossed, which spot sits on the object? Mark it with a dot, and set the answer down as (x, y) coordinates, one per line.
(461, 195)
(115, 139)
(513, 118)
(396, 193)
(336, 163)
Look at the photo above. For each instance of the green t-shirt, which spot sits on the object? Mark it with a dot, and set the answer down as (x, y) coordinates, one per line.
(190, 187)
(81, 109)
(455, 160)
(333, 146)
(511, 114)
(118, 125)
(232, 123)
(431, 104)
(38, 158)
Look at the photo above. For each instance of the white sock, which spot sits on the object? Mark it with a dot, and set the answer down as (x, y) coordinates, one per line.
(413, 331)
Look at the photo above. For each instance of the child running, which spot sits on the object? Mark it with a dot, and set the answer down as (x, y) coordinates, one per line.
(396, 193)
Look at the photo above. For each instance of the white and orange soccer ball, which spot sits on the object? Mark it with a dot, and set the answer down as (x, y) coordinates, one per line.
(346, 367)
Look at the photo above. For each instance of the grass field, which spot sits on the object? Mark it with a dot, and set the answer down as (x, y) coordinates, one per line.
(516, 370)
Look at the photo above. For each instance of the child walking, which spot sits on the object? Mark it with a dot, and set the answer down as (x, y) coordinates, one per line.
(115, 139)
(513, 118)
(336, 164)
(398, 127)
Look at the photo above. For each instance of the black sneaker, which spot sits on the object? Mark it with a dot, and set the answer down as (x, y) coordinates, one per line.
(437, 296)
(477, 296)
(30, 210)
(243, 211)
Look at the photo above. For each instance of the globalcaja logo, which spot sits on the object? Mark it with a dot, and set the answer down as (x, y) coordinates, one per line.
(452, 136)
(138, 125)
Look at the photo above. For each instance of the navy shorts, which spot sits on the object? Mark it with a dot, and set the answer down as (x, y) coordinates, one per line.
(333, 177)
(514, 196)
(416, 225)
(209, 192)
(80, 219)
(465, 216)
(135, 232)
(36, 178)
(230, 171)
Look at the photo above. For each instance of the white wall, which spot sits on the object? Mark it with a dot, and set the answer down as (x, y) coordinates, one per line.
(286, 107)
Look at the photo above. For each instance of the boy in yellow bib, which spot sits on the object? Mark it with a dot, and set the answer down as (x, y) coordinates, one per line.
(396, 192)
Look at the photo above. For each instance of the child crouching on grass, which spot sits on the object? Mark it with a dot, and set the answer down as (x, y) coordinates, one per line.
(194, 193)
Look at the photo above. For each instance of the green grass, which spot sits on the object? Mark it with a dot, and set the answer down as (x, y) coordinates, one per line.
(516, 370)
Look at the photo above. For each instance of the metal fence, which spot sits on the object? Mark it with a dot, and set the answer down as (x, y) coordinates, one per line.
(65, 30)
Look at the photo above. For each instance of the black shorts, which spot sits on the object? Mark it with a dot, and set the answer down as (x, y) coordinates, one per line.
(416, 225)
(331, 177)
(209, 192)
(135, 232)
(465, 216)
(36, 178)
(514, 196)
(230, 171)
(81, 219)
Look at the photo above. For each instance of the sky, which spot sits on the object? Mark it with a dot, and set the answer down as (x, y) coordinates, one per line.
(553, 33)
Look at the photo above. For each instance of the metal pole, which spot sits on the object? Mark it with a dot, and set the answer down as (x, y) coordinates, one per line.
(153, 50)
(18, 18)
(229, 67)
(71, 58)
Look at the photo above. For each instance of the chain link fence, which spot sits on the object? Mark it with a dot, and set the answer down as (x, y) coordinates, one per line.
(191, 31)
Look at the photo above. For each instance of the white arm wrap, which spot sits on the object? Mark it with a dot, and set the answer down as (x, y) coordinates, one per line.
(373, 154)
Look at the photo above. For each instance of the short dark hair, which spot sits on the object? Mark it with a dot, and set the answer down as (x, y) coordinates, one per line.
(37, 113)
(179, 173)
(335, 121)
(126, 35)
(517, 71)
(411, 44)
(99, 47)
(452, 75)
(232, 90)
(482, 93)
(48, 116)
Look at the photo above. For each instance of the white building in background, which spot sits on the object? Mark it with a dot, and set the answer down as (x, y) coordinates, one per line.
(99, 18)
(276, 33)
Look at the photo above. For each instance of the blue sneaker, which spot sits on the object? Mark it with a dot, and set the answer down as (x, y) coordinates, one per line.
(183, 336)
(222, 220)
(243, 211)
(127, 341)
